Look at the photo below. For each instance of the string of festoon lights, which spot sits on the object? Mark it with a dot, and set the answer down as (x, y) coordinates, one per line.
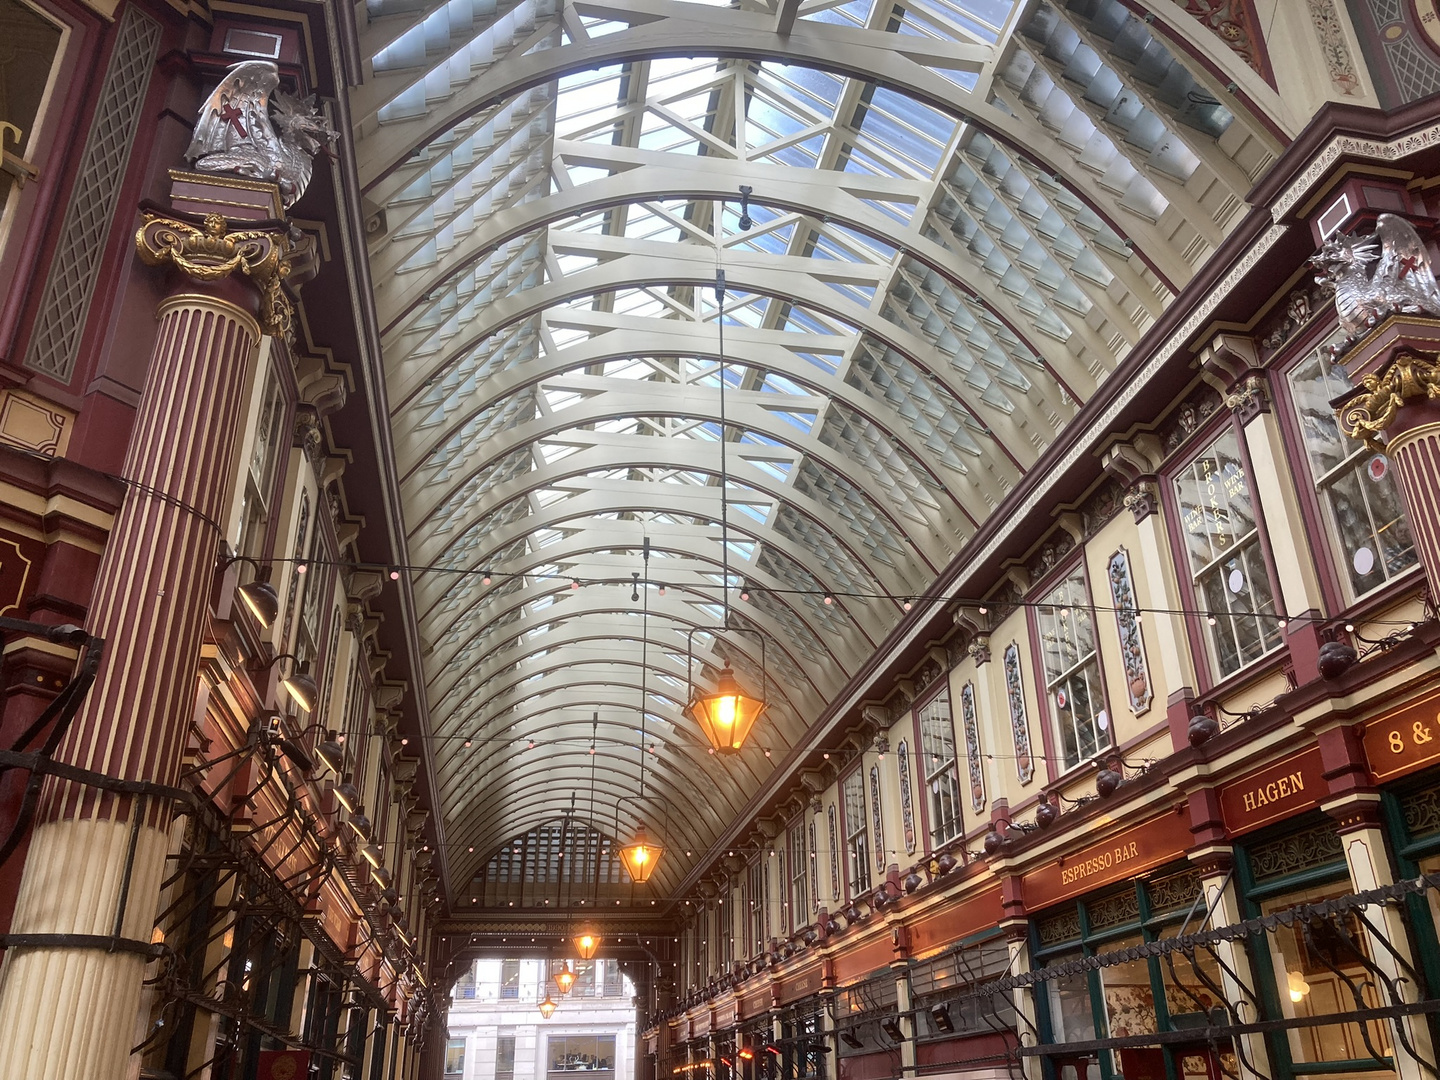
(981, 606)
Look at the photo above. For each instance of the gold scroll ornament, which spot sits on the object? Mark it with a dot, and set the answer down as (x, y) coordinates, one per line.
(1369, 413)
(212, 253)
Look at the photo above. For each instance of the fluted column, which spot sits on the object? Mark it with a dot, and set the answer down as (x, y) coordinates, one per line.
(96, 859)
(1396, 411)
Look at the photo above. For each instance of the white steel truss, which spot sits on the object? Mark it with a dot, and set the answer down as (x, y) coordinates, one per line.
(962, 216)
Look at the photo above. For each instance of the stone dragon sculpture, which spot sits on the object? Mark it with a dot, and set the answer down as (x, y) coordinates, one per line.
(1385, 273)
(248, 126)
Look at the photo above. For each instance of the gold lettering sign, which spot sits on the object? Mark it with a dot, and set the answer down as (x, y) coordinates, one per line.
(1294, 783)
(1125, 855)
(1406, 740)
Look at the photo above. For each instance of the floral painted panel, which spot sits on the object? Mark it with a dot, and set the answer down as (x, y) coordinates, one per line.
(814, 866)
(1132, 642)
(875, 818)
(834, 851)
(907, 804)
(971, 724)
(1019, 723)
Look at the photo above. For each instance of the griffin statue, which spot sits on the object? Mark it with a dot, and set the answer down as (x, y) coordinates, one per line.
(1399, 281)
(237, 132)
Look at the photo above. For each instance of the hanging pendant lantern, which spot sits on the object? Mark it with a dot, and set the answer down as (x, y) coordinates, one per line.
(727, 715)
(548, 1006)
(640, 857)
(565, 978)
(586, 943)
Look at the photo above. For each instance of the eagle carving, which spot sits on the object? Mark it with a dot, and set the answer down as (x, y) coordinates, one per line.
(250, 127)
(1385, 273)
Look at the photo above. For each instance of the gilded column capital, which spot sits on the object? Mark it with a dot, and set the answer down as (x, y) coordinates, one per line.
(1408, 377)
(212, 252)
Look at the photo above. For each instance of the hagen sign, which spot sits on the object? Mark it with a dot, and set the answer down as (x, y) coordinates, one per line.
(1276, 791)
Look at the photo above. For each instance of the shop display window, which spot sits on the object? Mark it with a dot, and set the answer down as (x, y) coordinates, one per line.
(1134, 997)
(1315, 967)
(1229, 573)
(1368, 531)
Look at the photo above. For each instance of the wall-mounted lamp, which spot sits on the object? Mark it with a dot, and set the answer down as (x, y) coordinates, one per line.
(373, 855)
(349, 796)
(850, 1039)
(299, 684)
(258, 596)
(941, 1015)
(892, 1028)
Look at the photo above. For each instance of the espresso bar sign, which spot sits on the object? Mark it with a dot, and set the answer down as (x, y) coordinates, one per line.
(1157, 840)
(1404, 741)
(1276, 791)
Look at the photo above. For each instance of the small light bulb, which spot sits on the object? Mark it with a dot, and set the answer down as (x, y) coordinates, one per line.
(983, 610)
(486, 579)
(301, 567)
(829, 600)
(908, 605)
(394, 573)
(574, 584)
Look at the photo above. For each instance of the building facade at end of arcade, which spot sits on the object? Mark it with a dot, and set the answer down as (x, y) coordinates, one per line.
(1166, 803)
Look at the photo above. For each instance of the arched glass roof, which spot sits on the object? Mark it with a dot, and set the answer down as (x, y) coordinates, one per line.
(961, 215)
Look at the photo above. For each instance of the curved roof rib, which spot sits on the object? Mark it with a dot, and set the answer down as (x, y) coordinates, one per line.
(960, 221)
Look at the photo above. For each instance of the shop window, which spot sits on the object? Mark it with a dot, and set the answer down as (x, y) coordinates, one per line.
(1314, 966)
(799, 877)
(1305, 959)
(505, 1057)
(941, 770)
(454, 1057)
(1228, 572)
(857, 834)
(1118, 998)
(590, 1054)
(954, 984)
(1072, 669)
(1359, 500)
(32, 43)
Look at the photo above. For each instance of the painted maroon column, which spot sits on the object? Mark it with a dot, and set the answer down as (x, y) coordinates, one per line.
(96, 859)
(1396, 411)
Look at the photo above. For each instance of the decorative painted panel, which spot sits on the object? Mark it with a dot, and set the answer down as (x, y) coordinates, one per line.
(834, 851)
(907, 804)
(875, 821)
(814, 867)
(1132, 641)
(971, 724)
(1019, 722)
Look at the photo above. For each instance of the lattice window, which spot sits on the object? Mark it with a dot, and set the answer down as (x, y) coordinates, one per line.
(55, 344)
